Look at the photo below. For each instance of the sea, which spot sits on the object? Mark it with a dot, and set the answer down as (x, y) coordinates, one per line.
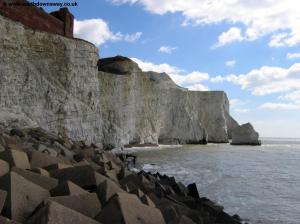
(259, 183)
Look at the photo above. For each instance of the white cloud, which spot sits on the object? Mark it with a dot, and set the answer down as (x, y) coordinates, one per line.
(192, 80)
(230, 63)
(293, 55)
(198, 87)
(228, 37)
(293, 96)
(160, 68)
(280, 106)
(259, 17)
(131, 38)
(266, 80)
(236, 104)
(241, 110)
(167, 49)
(290, 101)
(98, 32)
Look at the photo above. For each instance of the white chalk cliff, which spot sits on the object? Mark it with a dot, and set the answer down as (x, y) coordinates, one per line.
(59, 84)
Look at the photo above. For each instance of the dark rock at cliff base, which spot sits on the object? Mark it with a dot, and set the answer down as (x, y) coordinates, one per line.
(117, 65)
(245, 135)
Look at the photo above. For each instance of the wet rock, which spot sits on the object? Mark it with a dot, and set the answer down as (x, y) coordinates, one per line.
(245, 135)
(180, 188)
(182, 220)
(225, 218)
(22, 198)
(15, 158)
(54, 213)
(193, 191)
(135, 213)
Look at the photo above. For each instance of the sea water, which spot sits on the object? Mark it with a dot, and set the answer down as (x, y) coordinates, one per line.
(261, 184)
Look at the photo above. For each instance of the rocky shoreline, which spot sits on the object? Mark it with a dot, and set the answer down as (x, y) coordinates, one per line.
(49, 179)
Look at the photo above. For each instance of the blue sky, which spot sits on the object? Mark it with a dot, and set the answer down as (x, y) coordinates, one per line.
(250, 49)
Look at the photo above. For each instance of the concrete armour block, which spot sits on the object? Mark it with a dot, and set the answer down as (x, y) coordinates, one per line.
(83, 176)
(57, 166)
(67, 188)
(23, 196)
(3, 195)
(47, 183)
(15, 158)
(128, 209)
(87, 204)
(41, 171)
(183, 220)
(55, 213)
(4, 167)
(4, 220)
(40, 160)
(107, 190)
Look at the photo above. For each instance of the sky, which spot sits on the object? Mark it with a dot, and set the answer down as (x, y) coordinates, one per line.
(248, 48)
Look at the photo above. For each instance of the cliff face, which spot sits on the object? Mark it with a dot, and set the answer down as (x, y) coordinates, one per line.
(49, 81)
(53, 82)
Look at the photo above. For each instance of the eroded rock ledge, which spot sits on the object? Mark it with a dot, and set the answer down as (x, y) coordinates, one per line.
(47, 179)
